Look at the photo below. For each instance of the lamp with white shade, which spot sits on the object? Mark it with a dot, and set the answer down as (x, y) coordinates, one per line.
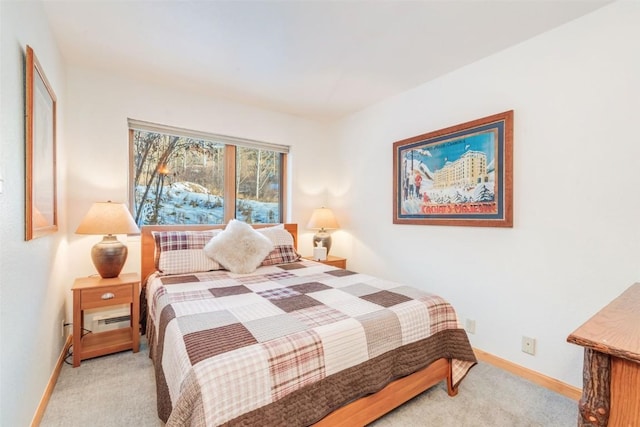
(322, 220)
(108, 218)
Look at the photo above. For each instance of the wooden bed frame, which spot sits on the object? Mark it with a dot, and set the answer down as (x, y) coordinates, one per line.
(359, 412)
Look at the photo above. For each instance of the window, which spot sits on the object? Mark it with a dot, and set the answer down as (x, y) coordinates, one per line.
(258, 180)
(179, 176)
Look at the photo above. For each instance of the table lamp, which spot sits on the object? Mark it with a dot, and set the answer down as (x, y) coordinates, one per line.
(108, 218)
(322, 220)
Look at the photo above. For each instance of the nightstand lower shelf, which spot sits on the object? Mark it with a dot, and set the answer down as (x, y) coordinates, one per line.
(101, 343)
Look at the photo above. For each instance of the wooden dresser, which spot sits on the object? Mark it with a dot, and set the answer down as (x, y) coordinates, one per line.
(611, 373)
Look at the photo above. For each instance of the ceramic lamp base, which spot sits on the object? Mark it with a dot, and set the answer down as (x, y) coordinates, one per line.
(324, 237)
(109, 256)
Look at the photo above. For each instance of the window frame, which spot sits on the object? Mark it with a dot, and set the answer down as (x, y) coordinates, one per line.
(230, 176)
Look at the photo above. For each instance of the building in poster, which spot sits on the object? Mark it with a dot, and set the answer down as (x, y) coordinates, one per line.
(467, 171)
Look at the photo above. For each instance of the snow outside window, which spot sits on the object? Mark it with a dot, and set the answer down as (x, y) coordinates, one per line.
(179, 176)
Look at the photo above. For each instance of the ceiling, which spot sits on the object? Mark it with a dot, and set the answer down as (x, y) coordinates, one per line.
(316, 59)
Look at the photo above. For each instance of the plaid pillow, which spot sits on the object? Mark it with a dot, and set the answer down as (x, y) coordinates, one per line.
(179, 252)
(283, 251)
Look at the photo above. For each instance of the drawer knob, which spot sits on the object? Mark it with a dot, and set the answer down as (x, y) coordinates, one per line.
(108, 295)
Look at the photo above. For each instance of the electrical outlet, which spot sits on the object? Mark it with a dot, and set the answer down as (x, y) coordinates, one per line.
(529, 345)
(470, 326)
(62, 329)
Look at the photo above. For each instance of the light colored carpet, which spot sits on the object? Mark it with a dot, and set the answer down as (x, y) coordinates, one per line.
(119, 390)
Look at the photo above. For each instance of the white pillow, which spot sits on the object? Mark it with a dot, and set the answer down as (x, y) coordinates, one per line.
(239, 248)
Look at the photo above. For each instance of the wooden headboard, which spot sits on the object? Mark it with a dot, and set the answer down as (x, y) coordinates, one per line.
(148, 243)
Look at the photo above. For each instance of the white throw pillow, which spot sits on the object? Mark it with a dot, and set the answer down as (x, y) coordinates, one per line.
(239, 248)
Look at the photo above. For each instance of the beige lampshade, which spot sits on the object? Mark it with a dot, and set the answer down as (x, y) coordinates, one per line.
(323, 218)
(108, 218)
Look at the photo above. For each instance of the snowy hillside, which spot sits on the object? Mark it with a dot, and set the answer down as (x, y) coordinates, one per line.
(189, 203)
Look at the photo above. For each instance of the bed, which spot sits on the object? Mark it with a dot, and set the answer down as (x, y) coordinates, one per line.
(295, 342)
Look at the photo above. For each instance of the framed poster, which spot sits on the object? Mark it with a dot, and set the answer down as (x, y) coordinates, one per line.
(461, 175)
(41, 215)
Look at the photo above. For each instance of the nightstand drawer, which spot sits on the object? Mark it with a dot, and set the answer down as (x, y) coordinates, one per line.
(106, 296)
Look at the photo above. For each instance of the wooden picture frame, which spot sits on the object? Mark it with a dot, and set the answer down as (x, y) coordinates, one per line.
(461, 175)
(41, 214)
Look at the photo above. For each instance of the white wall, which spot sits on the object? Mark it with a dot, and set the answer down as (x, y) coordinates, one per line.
(575, 243)
(32, 294)
(98, 150)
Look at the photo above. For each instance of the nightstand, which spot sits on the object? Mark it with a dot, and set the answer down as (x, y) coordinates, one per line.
(335, 261)
(96, 292)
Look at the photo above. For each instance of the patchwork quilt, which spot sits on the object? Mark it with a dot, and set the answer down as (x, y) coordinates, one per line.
(289, 343)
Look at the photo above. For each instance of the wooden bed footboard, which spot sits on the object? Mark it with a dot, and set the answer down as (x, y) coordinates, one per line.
(369, 408)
